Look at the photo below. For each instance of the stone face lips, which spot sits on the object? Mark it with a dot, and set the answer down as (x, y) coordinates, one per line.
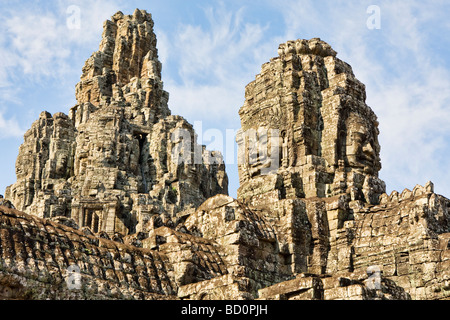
(115, 160)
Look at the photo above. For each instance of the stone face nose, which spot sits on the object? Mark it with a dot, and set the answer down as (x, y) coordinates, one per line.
(368, 151)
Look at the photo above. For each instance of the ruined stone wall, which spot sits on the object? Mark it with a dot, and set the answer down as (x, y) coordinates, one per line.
(406, 237)
(37, 259)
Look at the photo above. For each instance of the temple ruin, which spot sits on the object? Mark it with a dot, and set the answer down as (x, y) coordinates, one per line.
(120, 193)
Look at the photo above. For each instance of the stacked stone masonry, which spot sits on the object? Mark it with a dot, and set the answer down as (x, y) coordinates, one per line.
(107, 210)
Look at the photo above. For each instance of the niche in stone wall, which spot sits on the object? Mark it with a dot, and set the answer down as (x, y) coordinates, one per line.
(141, 138)
(283, 147)
(92, 219)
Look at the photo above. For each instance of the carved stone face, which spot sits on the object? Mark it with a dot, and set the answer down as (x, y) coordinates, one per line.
(362, 145)
(104, 153)
(256, 155)
(61, 163)
(263, 151)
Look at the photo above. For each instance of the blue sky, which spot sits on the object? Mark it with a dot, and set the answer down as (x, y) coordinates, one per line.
(211, 49)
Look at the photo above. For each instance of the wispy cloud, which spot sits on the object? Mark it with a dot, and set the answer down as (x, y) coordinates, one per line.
(9, 128)
(212, 51)
(214, 62)
(38, 42)
(412, 100)
(208, 64)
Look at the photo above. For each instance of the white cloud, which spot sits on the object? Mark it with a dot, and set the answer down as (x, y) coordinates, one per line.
(39, 43)
(412, 100)
(92, 14)
(213, 104)
(163, 45)
(209, 66)
(215, 52)
(9, 128)
(414, 124)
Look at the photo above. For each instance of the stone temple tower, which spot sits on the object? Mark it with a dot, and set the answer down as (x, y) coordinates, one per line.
(308, 146)
(114, 161)
(306, 130)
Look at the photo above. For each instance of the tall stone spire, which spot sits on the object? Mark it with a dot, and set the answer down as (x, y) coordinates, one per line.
(114, 162)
